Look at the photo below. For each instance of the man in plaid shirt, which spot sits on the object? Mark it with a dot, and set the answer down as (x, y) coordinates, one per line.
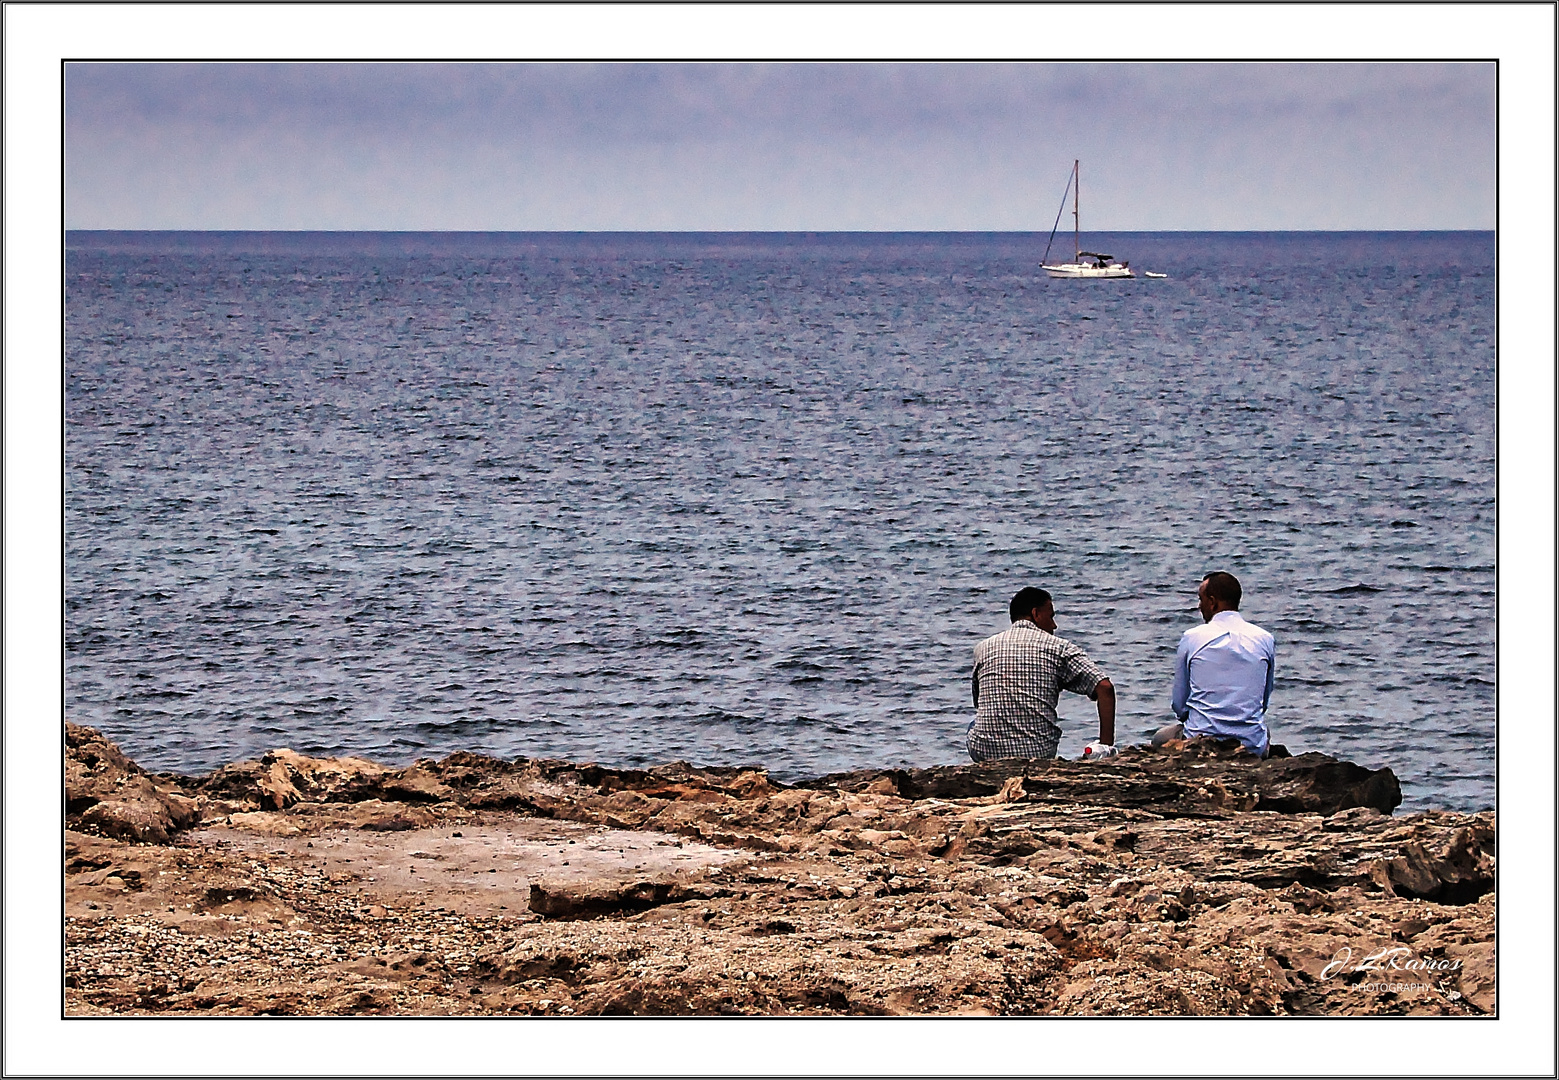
(1018, 677)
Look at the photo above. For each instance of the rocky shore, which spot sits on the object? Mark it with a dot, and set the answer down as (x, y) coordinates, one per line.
(1190, 881)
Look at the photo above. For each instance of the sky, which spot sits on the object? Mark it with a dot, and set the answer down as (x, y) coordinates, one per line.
(779, 146)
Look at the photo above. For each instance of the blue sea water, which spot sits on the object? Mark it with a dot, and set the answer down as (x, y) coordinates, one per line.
(739, 499)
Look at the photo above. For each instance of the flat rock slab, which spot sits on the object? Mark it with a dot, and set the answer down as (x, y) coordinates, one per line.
(480, 869)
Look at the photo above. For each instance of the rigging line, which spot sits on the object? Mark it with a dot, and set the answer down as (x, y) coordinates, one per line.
(1057, 225)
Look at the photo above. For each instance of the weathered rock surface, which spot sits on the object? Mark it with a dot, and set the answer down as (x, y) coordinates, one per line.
(1195, 881)
(1200, 778)
(111, 794)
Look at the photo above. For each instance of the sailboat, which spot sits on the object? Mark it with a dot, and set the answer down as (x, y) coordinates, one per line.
(1084, 264)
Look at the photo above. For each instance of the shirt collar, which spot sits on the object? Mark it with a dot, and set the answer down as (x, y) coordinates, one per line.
(1226, 616)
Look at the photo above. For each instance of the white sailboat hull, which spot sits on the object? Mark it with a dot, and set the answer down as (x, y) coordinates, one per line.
(1084, 270)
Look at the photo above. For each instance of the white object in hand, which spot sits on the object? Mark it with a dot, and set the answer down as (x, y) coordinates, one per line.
(1096, 750)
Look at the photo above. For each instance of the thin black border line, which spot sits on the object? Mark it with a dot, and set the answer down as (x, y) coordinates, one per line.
(696, 61)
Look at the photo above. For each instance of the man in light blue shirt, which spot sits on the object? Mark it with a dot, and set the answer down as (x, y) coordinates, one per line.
(1223, 672)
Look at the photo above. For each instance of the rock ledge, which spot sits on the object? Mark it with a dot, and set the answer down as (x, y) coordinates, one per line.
(1194, 881)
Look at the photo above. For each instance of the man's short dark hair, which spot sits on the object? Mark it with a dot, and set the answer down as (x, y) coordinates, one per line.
(1224, 588)
(1026, 601)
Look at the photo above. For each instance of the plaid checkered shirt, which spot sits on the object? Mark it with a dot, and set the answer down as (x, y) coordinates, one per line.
(1018, 677)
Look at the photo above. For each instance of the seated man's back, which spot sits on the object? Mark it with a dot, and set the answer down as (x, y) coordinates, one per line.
(1224, 670)
(1018, 677)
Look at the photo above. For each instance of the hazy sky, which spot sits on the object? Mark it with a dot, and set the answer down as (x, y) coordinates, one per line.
(778, 146)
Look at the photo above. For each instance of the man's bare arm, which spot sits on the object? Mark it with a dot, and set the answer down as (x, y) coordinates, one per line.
(1104, 694)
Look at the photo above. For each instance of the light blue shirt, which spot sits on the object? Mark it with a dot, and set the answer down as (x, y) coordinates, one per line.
(1223, 680)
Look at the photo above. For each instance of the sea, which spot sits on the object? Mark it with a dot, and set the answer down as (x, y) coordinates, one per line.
(752, 499)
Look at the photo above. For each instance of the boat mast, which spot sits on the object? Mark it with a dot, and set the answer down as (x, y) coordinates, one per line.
(1077, 228)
